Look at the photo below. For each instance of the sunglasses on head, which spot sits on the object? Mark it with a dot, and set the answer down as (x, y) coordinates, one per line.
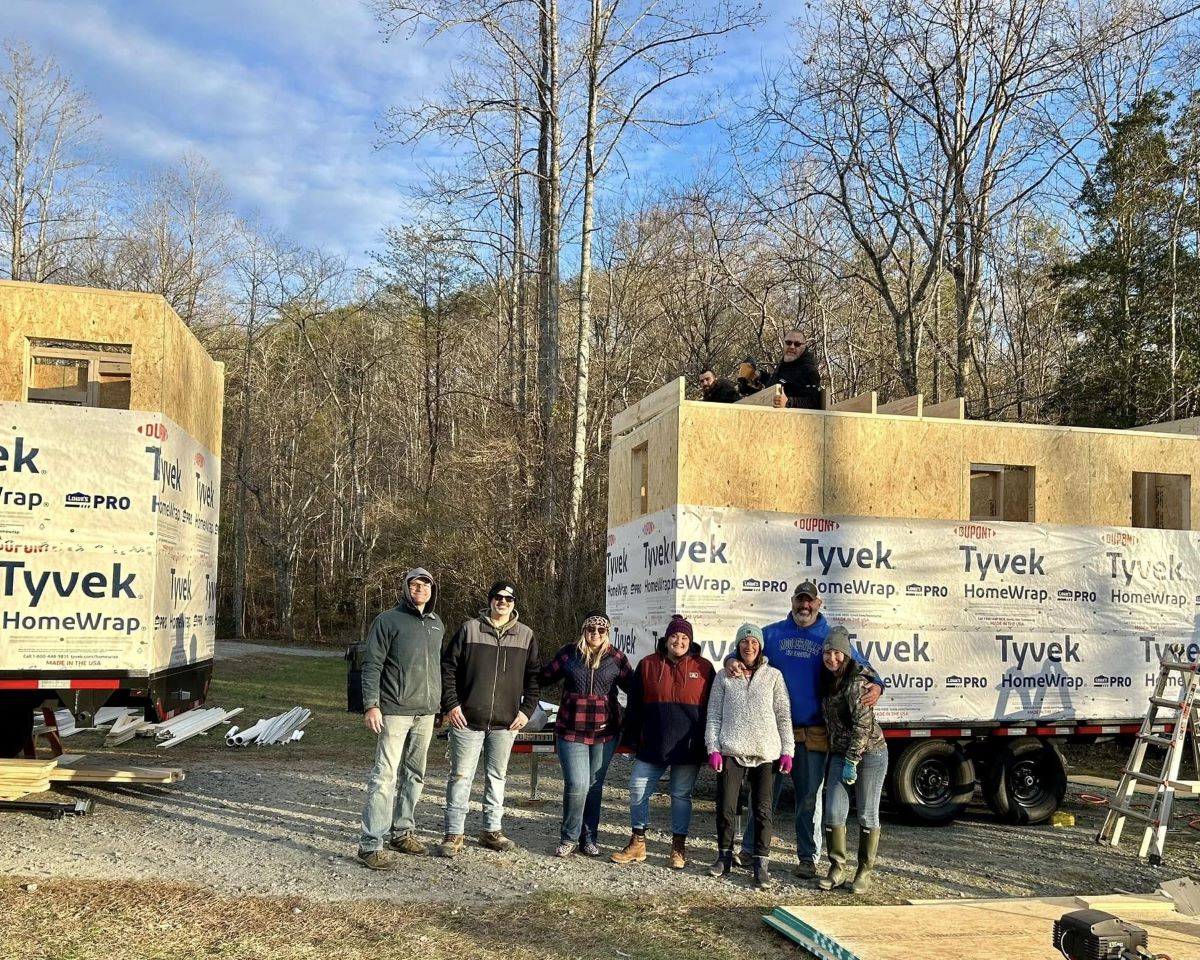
(793, 343)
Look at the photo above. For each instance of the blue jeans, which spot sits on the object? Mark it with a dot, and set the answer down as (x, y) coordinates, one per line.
(396, 779)
(808, 770)
(465, 747)
(644, 780)
(584, 767)
(872, 769)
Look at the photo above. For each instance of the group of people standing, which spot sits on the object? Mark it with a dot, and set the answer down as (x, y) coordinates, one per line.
(795, 700)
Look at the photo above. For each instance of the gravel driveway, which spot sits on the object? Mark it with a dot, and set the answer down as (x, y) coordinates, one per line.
(259, 822)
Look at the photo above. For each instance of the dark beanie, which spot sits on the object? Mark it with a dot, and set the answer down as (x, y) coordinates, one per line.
(500, 585)
(838, 639)
(679, 624)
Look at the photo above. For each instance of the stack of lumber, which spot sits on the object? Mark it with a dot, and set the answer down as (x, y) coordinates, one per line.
(952, 930)
(20, 777)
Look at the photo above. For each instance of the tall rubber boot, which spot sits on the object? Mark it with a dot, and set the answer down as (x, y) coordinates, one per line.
(762, 873)
(722, 865)
(868, 847)
(835, 846)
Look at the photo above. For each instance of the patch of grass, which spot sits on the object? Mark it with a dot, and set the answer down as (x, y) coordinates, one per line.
(73, 920)
(266, 686)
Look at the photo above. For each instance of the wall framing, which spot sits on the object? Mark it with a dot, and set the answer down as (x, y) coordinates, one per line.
(843, 463)
(170, 371)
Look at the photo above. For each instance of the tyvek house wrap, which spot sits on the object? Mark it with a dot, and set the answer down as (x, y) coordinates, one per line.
(968, 621)
(108, 541)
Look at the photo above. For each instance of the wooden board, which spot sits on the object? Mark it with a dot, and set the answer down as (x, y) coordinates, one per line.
(904, 407)
(664, 398)
(863, 403)
(741, 455)
(661, 438)
(764, 398)
(1190, 425)
(117, 775)
(955, 409)
(169, 371)
(998, 930)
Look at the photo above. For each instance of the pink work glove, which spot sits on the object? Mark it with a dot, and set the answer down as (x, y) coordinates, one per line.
(715, 761)
(785, 764)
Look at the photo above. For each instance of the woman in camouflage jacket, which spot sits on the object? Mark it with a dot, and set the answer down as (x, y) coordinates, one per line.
(857, 758)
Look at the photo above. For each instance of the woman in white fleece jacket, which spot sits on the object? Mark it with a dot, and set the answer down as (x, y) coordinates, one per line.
(748, 734)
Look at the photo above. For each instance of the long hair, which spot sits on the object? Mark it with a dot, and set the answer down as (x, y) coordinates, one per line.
(832, 682)
(589, 656)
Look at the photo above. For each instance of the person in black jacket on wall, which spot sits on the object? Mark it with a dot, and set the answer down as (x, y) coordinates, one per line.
(716, 389)
(798, 374)
(402, 689)
(489, 692)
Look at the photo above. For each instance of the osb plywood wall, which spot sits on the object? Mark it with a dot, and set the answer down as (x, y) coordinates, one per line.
(170, 372)
(659, 437)
(193, 385)
(798, 461)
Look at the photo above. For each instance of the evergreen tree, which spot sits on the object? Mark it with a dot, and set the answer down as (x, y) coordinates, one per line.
(1136, 284)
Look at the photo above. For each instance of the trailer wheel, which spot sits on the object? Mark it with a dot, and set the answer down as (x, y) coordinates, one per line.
(932, 781)
(1025, 781)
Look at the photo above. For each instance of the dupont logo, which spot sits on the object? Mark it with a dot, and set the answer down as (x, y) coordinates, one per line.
(155, 431)
(648, 527)
(1120, 539)
(612, 539)
(815, 524)
(974, 531)
(200, 460)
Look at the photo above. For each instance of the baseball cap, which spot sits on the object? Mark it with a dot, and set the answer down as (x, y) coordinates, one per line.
(807, 589)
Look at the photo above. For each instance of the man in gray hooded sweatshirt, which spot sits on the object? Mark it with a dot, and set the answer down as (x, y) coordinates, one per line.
(402, 690)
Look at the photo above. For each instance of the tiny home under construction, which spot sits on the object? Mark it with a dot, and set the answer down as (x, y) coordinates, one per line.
(110, 436)
(1014, 583)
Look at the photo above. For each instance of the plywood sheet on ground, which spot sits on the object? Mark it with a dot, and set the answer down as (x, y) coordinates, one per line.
(999, 930)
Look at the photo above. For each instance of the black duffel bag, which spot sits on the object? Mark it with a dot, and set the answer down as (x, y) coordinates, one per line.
(355, 654)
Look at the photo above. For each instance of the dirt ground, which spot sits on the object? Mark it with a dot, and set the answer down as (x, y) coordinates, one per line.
(272, 822)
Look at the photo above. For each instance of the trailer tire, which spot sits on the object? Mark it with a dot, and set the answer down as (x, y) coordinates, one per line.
(1025, 781)
(932, 781)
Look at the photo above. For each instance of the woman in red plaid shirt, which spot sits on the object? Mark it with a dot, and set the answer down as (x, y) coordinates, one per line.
(589, 720)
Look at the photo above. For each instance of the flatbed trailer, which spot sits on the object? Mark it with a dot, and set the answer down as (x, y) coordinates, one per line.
(1015, 584)
(110, 439)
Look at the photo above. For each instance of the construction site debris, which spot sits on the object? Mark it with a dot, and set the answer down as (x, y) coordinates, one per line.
(283, 728)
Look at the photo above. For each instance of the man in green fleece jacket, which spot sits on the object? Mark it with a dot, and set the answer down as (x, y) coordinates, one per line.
(402, 690)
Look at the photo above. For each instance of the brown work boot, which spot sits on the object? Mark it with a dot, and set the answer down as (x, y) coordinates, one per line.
(678, 851)
(635, 850)
(451, 845)
(408, 843)
(377, 859)
(495, 840)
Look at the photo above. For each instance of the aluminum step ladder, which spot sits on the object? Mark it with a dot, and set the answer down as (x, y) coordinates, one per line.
(1179, 710)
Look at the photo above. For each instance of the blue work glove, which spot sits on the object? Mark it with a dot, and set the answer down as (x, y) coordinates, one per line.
(849, 773)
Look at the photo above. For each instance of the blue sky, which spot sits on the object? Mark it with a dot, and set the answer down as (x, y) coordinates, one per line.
(283, 99)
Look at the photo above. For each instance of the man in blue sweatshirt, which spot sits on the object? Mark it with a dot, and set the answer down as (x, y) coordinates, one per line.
(402, 690)
(794, 646)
